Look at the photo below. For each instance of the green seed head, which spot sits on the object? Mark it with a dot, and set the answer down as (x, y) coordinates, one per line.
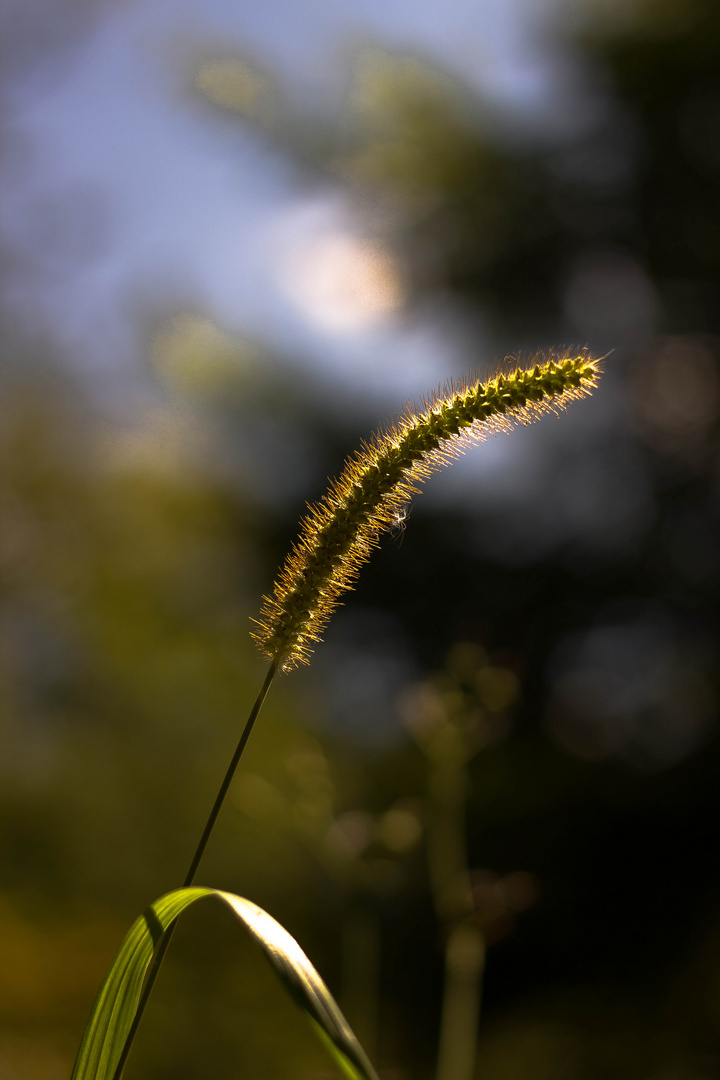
(371, 494)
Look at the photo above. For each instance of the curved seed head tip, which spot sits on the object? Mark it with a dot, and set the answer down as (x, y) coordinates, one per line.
(372, 493)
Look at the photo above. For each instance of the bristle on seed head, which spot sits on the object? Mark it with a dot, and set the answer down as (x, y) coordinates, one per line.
(371, 494)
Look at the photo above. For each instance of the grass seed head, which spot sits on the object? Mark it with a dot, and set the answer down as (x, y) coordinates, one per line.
(372, 492)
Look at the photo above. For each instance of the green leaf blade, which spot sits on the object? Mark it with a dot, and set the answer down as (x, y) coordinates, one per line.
(117, 1001)
(305, 986)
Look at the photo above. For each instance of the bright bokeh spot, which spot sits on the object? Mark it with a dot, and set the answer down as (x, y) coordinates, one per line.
(342, 283)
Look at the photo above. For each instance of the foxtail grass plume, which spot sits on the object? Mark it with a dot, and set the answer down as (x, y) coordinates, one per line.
(371, 494)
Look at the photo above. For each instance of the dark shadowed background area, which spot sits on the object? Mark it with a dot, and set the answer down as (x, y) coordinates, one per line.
(233, 243)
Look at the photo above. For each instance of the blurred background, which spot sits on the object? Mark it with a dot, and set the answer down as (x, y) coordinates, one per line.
(234, 239)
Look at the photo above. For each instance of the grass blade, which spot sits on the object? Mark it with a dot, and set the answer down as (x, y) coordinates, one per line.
(116, 1003)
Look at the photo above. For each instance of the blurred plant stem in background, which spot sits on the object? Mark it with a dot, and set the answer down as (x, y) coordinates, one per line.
(464, 966)
(452, 718)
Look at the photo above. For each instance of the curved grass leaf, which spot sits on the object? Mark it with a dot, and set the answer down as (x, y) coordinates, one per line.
(117, 1000)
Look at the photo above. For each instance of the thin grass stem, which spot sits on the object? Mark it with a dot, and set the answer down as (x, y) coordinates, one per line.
(164, 942)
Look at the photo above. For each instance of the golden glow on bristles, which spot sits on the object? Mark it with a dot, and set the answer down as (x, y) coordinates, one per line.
(371, 494)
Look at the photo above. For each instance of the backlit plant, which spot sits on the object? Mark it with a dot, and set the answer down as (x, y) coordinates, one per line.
(336, 537)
